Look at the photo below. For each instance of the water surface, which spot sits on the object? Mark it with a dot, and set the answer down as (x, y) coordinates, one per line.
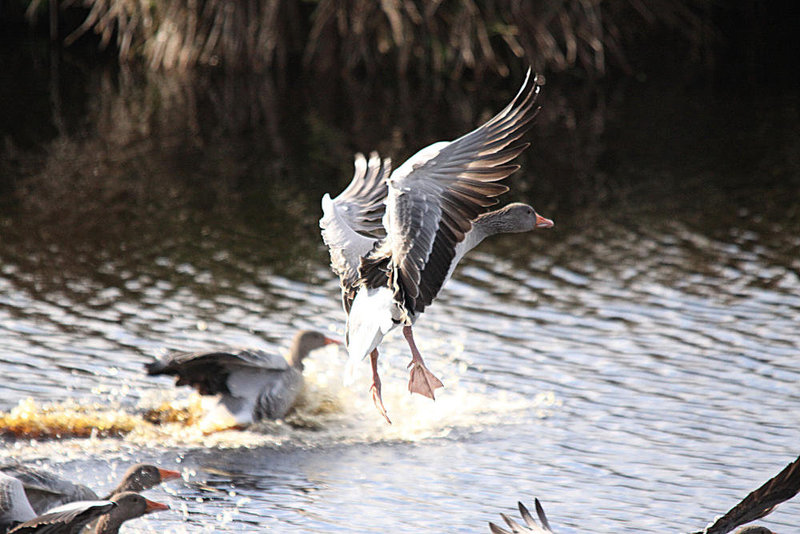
(636, 368)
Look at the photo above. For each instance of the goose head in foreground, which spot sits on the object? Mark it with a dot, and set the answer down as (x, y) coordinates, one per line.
(396, 237)
(73, 517)
(129, 505)
(45, 490)
(243, 385)
(756, 505)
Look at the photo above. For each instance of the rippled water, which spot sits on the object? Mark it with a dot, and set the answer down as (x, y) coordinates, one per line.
(636, 368)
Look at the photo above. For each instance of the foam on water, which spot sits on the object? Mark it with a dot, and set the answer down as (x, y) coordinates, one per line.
(462, 404)
(326, 413)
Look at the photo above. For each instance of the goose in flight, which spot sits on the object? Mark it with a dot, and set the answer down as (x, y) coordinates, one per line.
(756, 505)
(395, 237)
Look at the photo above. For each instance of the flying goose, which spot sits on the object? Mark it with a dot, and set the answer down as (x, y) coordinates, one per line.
(395, 237)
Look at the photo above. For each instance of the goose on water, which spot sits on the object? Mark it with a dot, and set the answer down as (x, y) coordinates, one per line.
(45, 490)
(73, 517)
(756, 505)
(395, 237)
(249, 384)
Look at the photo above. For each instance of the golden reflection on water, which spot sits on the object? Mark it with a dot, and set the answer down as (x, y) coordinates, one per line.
(30, 419)
(326, 412)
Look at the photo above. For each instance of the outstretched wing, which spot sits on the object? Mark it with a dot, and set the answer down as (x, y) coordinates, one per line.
(760, 502)
(70, 517)
(208, 372)
(14, 505)
(45, 490)
(435, 196)
(530, 526)
(351, 223)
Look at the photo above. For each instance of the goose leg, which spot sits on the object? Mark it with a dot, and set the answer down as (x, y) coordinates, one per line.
(376, 386)
(422, 381)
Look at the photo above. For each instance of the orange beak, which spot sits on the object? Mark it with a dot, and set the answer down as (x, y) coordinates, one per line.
(168, 474)
(154, 506)
(329, 340)
(542, 222)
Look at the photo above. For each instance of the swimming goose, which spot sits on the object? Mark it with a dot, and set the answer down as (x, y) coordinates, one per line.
(756, 505)
(250, 384)
(45, 490)
(73, 517)
(395, 237)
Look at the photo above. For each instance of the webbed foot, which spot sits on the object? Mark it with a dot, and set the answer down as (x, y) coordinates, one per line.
(422, 381)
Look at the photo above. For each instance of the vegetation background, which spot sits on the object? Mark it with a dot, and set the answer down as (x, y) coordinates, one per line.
(146, 107)
(415, 38)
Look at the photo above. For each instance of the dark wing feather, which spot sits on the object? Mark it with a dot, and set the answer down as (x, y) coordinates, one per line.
(65, 521)
(14, 506)
(436, 195)
(352, 222)
(760, 502)
(362, 201)
(539, 512)
(46, 490)
(208, 372)
(530, 527)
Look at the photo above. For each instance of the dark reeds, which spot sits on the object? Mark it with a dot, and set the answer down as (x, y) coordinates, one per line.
(443, 37)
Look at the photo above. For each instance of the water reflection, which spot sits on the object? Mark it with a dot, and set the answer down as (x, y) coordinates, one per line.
(638, 362)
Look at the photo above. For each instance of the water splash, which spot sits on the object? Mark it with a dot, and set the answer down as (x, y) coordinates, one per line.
(327, 412)
(348, 414)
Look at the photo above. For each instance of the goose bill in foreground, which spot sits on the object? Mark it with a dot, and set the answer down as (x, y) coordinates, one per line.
(45, 490)
(395, 237)
(73, 517)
